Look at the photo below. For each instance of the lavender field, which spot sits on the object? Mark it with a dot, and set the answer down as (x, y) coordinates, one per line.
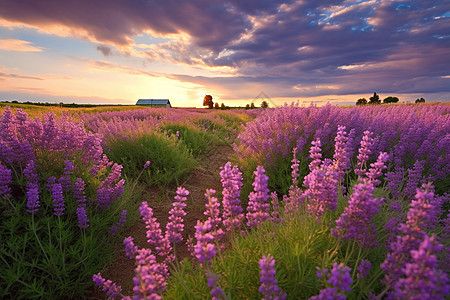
(316, 203)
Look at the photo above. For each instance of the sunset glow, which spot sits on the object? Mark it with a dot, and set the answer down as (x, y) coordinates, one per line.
(309, 51)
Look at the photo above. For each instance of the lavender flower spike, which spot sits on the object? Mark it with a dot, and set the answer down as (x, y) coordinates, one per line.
(112, 290)
(269, 287)
(258, 206)
(120, 223)
(340, 279)
(83, 221)
(5, 181)
(176, 226)
(231, 179)
(58, 199)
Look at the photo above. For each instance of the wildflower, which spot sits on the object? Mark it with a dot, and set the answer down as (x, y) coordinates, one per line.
(204, 250)
(130, 248)
(258, 207)
(275, 217)
(231, 179)
(363, 269)
(154, 233)
(78, 191)
(5, 181)
(340, 279)
(341, 156)
(424, 211)
(83, 221)
(120, 223)
(147, 164)
(422, 278)
(376, 168)
(295, 171)
(414, 177)
(269, 287)
(32, 197)
(112, 290)
(58, 199)
(355, 223)
(175, 226)
(364, 152)
(216, 291)
(212, 211)
(315, 155)
(68, 168)
(30, 172)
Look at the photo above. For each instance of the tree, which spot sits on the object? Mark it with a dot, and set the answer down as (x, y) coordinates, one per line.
(375, 99)
(421, 100)
(390, 99)
(216, 105)
(222, 106)
(252, 106)
(208, 101)
(361, 101)
(264, 104)
(247, 106)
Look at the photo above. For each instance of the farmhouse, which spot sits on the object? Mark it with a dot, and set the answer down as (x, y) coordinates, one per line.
(154, 102)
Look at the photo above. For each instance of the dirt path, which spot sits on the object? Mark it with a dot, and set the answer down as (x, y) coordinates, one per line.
(204, 176)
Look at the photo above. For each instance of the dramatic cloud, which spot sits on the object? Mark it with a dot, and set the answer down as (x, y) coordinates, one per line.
(301, 48)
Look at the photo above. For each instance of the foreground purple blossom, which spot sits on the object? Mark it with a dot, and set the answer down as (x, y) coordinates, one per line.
(83, 221)
(363, 269)
(175, 226)
(204, 250)
(5, 181)
(340, 279)
(269, 287)
(58, 199)
(423, 279)
(364, 152)
(213, 213)
(231, 179)
(216, 291)
(78, 191)
(355, 223)
(258, 206)
(112, 290)
(154, 233)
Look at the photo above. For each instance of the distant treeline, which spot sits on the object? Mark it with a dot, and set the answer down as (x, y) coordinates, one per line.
(59, 104)
(375, 99)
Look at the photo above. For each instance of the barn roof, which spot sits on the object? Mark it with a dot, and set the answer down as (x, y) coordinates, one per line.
(153, 102)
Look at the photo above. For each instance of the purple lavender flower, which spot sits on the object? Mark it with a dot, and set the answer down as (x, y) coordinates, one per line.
(295, 171)
(58, 199)
(30, 172)
(83, 221)
(364, 152)
(50, 182)
(212, 211)
(130, 248)
(414, 177)
(65, 182)
(275, 216)
(395, 181)
(315, 154)
(340, 279)
(341, 156)
(147, 164)
(258, 206)
(424, 211)
(423, 279)
(32, 197)
(112, 290)
(5, 181)
(355, 223)
(204, 250)
(78, 191)
(120, 223)
(176, 226)
(376, 168)
(231, 179)
(363, 269)
(68, 168)
(269, 287)
(216, 291)
(154, 233)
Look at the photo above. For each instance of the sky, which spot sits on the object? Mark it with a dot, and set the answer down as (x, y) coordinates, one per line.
(238, 51)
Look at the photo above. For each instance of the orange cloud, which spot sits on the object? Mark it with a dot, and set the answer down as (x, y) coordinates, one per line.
(19, 45)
